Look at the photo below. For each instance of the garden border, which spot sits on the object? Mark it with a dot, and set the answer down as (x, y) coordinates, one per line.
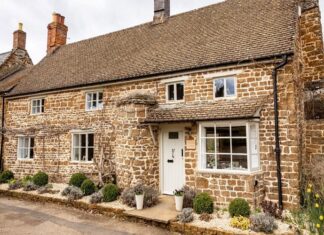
(172, 226)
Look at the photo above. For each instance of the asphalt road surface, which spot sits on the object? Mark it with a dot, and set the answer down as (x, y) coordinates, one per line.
(23, 217)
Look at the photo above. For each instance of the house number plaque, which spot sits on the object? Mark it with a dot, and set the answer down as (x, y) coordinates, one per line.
(191, 144)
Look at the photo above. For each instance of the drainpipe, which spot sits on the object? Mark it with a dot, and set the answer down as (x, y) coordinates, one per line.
(276, 113)
(2, 132)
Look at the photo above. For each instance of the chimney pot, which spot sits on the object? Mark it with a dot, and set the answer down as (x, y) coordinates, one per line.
(19, 38)
(161, 11)
(57, 32)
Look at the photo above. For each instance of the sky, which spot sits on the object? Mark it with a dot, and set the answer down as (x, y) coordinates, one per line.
(85, 18)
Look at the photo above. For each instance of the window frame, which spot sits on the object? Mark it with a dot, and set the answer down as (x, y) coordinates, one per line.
(80, 133)
(28, 148)
(99, 107)
(42, 105)
(175, 91)
(225, 86)
(248, 125)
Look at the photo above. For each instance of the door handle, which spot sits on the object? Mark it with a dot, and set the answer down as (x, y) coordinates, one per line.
(173, 150)
(182, 153)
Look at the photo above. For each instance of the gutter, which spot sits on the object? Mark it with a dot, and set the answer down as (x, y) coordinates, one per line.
(277, 138)
(2, 132)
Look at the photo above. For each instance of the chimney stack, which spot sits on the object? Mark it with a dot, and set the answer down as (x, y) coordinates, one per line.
(161, 11)
(19, 38)
(57, 33)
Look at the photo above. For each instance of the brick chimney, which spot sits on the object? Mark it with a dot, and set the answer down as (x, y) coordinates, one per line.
(19, 38)
(161, 11)
(57, 33)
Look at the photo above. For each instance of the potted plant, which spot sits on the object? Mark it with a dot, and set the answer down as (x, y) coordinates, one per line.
(178, 195)
(139, 197)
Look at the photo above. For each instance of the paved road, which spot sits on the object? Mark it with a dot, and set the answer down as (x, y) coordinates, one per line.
(22, 217)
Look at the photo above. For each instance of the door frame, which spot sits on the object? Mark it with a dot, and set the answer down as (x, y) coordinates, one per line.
(163, 129)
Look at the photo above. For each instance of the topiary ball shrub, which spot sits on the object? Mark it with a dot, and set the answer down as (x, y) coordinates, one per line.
(77, 179)
(110, 193)
(6, 176)
(239, 207)
(88, 187)
(203, 203)
(40, 179)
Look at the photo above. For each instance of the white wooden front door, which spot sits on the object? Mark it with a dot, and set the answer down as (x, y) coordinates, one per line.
(173, 160)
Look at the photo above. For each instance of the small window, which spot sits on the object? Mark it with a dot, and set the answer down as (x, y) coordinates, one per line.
(83, 145)
(225, 87)
(94, 101)
(173, 135)
(37, 106)
(26, 147)
(175, 91)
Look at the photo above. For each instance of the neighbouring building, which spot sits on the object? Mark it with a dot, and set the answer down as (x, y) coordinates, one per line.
(212, 98)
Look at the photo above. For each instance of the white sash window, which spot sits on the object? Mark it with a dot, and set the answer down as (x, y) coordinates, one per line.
(231, 146)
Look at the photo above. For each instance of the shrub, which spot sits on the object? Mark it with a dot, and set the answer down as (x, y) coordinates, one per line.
(272, 209)
(26, 179)
(263, 223)
(30, 186)
(15, 184)
(96, 198)
(203, 203)
(110, 193)
(77, 179)
(205, 217)
(47, 189)
(88, 187)
(240, 222)
(6, 176)
(239, 207)
(72, 192)
(189, 195)
(186, 216)
(40, 179)
(151, 196)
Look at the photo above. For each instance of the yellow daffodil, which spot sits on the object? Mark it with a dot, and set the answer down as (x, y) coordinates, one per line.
(316, 205)
(310, 185)
(318, 225)
(309, 190)
(317, 195)
(321, 217)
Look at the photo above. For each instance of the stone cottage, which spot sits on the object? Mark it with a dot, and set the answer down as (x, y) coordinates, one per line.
(212, 98)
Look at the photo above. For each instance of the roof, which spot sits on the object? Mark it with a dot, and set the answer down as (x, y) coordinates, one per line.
(10, 80)
(4, 56)
(223, 110)
(228, 32)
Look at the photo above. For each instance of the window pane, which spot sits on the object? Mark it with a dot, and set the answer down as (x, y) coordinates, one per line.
(210, 161)
(240, 162)
(76, 140)
(209, 132)
(219, 88)
(90, 140)
(210, 145)
(170, 92)
(34, 110)
(230, 86)
(239, 131)
(90, 154)
(239, 146)
(100, 95)
(88, 99)
(173, 135)
(223, 145)
(31, 148)
(83, 140)
(180, 91)
(76, 156)
(223, 162)
(222, 131)
(83, 154)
